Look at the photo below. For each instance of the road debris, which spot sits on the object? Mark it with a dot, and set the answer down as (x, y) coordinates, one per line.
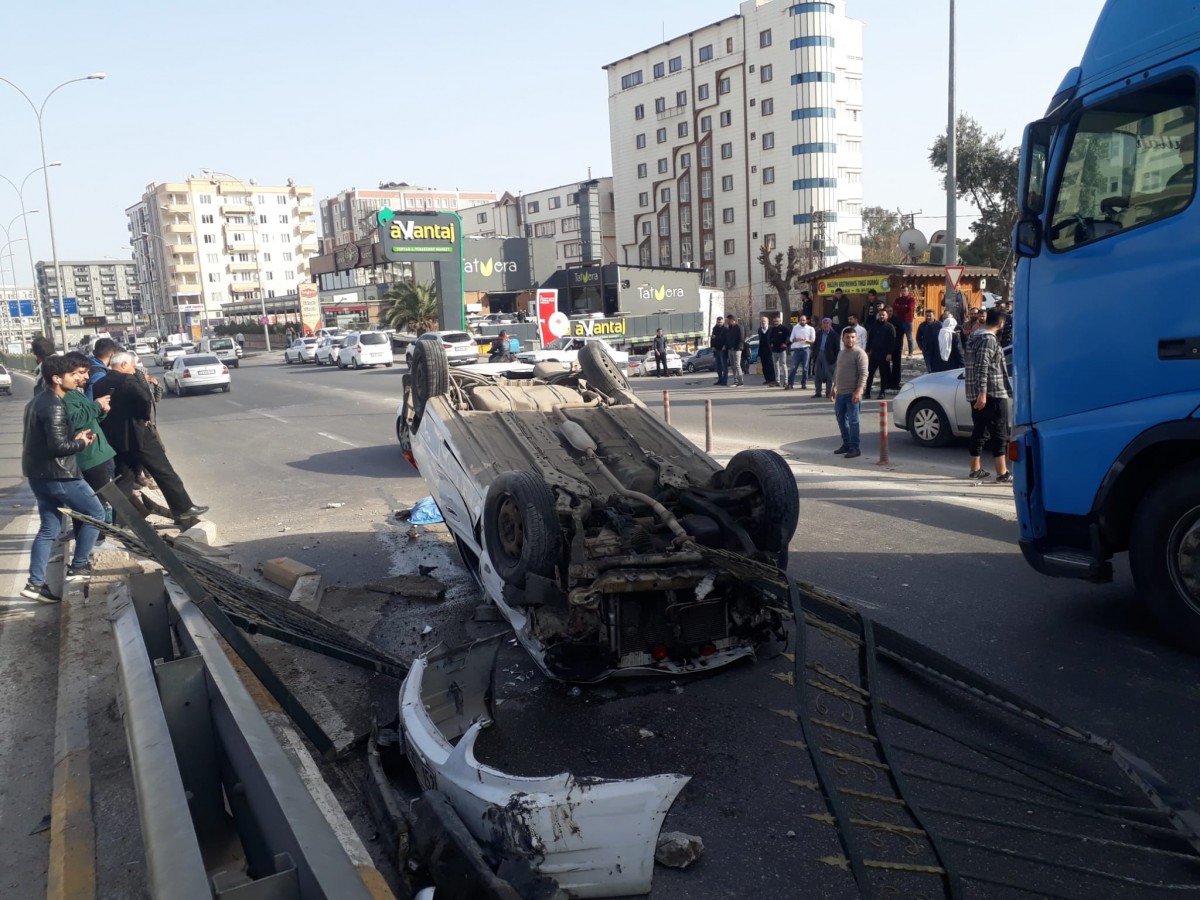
(678, 850)
(410, 587)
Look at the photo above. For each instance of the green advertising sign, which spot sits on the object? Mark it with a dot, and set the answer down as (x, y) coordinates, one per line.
(429, 237)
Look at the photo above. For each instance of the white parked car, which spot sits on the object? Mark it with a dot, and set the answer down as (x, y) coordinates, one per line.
(645, 365)
(566, 349)
(327, 350)
(461, 349)
(365, 348)
(168, 353)
(203, 372)
(934, 408)
(5, 381)
(302, 350)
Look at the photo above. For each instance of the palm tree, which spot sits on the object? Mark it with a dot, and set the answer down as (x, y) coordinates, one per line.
(413, 307)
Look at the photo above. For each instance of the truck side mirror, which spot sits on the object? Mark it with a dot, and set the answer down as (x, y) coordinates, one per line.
(1027, 238)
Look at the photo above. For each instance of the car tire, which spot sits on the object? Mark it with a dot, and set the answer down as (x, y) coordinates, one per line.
(225, 389)
(689, 368)
(928, 423)
(287, 359)
(387, 365)
(341, 365)
(600, 370)
(778, 513)
(520, 527)
(430, 375)
(354, 362)
(1164, 552)
(236, 364)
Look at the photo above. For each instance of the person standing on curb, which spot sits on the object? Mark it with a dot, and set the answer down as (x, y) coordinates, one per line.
(48, 460)
(989, 394)
(42, 349)
(849, 379)
(98, 362)
(825, 352)
(719, 341)
(801, 341)
(881, 343)
(96, 460)
(927, 339)
(771, 376)
(778, 337)
(660, 354)
(903, 308)
(735, 337)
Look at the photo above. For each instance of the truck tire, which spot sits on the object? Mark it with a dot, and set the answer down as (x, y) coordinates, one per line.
(430, 376)
(928, 424)
(520, 527)
(600, 370)
(1164, 554)
(776, 517)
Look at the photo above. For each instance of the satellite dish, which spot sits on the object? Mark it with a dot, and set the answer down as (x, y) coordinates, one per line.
(913, 243)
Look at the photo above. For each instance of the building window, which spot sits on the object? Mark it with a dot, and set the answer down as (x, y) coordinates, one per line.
(570, 224)
(685, 161)
(767, 106)
(206, 219)
(660, 136)
(764, 38)
(639, 111)
(287, 257)
(730, 278)
(631, 80)
(819, 147)
(705, 154)
(281, 200)
(706, 53)
(640, 141)
(664, 195)
(210, 239)
(206, 198)
(543, 229)
(644, 254)
(814, 112)
(706, 183)
(660, 69)
(812, 77)
(766, 73)
(814, 40)
(664, 251)
(729, 247)
(660, 104)
(641, 170)
(724, 86)
(769, 241)
(706, 220)
(663, 166)
(768, 208)
(664, 223)
(683, 129)
(852, 145)
(702, 91)
(800, 9)
(532, 206)
(554, 203)
(727, 182)
(481, 217)
(681, 98)
(727, 151)
(685, 214)
(283, 219)
(573, 199)
(685, 252)
(768, 140)
(728, 45)
(675, 64)
(706, 124)
(768, 175)
(809, 184)
(573, 249)
(214, 277)
(212, 257)
(727, 215)
(644, 199)
(647, 227)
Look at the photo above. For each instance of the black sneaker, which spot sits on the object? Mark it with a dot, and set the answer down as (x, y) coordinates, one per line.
(979, 475)
(851, 454)
(1006, 478)
(41, 592)
(842, 449)
(79, 573)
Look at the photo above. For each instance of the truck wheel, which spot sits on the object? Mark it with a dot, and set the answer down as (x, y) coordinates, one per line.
(520, 527)
(430, 376)
(1164, 554)
(600, 370)
(928, 425)
(777, 512)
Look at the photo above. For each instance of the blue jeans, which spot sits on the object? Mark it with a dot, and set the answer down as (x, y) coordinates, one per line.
(50, 496)
(799, 362)
(906, 332)
(847, 412)
(722, 365)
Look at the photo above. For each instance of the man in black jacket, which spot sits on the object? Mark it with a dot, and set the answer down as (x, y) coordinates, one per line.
(881, 342)
(720, 347)
(764, 355)
(660, 353)
(48, 460)
(825, 352)
(130, 428)
(735, 337)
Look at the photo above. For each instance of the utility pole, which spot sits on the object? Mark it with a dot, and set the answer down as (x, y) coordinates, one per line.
(951, 174)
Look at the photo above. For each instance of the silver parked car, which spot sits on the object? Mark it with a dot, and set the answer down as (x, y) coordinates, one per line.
(933, 407)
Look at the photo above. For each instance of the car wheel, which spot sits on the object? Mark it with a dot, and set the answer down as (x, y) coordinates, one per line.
(928, 424)
(689, 368)
(776, 511)
(430, 373)
(287, 359)
(387, 365)
(341, 365)
(236, 364)
(520, 527)
(354, 362)
(600, 370)
(225, 389)
(1164, 554)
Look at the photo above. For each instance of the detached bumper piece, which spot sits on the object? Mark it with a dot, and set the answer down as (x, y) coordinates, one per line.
(595, 837)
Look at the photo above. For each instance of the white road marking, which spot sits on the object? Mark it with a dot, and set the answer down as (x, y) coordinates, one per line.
(270, 416)
(235, 403)
(334, 437)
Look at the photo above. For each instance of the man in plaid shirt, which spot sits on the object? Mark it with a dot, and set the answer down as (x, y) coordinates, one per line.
(989, 394)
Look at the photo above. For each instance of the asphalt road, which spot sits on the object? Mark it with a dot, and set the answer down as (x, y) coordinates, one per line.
(913, 544)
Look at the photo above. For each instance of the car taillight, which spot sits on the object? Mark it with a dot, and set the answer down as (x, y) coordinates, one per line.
(411, 461)
(224, 370)
(659, 652)
(473, 344)
(448, 346)
(1014, 451)
(187, 373)
(708, 649)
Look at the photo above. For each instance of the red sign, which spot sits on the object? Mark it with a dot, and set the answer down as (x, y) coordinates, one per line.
(955, 273)
(547, 309)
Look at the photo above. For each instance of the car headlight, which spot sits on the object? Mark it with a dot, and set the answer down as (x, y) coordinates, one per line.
(906, 389)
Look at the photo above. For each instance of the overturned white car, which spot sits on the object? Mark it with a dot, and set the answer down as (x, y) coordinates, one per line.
(609, 542)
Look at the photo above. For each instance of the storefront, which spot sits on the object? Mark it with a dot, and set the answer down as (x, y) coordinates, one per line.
(926, 283)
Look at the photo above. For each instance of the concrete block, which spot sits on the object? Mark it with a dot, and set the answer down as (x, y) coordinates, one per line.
(285, 572)
(203, 532)
(307, 592)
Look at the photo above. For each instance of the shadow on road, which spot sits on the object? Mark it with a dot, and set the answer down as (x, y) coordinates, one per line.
(361, 462)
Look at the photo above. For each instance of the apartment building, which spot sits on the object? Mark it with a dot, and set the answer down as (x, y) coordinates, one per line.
(105, 292)
(744, 132)
(201, 243)
(578, 216)
(349, 215)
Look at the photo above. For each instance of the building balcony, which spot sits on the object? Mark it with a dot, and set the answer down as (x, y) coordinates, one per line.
(180, 228)
(185, 290)
(306, 228)
(243, 287)
(303, 191)
(304, 210)
(177, 208)
(229, 188)
(237, 208)
(180, 249)
(233, 246)
(243, 267)
(186, 268)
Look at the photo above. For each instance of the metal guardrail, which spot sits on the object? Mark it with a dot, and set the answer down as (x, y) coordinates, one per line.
(223, 812)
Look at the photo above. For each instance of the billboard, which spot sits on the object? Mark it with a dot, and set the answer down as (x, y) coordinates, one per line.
(432, 237)
(310, 307)
(21, 308)
(656, 291)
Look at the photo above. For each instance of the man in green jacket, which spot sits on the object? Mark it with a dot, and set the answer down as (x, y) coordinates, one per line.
(96, 462)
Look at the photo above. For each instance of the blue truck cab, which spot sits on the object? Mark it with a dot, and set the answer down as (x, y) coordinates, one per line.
(1106, 309)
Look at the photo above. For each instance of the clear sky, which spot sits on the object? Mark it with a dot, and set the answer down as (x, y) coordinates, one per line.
(449, 93)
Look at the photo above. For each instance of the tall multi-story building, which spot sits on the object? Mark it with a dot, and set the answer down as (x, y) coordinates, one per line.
(349, 215)
(741, 133)
(106, 293)
(203, 242)
(578, 216)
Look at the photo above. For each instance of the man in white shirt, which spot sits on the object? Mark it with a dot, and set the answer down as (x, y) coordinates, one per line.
(801, 343)
(852, 322)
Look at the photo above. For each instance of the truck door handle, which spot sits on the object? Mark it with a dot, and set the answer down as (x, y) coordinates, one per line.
(1179, 348)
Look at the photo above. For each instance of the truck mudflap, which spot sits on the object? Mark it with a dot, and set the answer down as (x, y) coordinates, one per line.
(595, 837)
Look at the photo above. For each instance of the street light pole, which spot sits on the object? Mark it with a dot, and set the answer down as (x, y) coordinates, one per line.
(951, 175)
(38, 111)
(29, 243)
(262, 294)
(13, 265)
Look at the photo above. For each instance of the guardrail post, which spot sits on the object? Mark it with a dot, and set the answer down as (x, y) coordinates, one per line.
(667, 407)
(708, 434)
(883, 434)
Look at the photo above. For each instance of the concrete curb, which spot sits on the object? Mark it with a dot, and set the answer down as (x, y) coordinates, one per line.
(72, 865)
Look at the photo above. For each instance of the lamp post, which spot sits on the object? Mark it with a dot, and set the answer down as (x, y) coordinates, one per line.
(38, 111)
(951, 173)
(262, 294)
(8, 237)
(24, 214)
(13, 266)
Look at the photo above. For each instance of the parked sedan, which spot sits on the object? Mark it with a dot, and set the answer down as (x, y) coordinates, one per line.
(5, 381)
(934, 408)
(189, 374)
(302, 350)
(327, 350)
(460, 347)
(645, 365)
(365, 348)
(703, 360)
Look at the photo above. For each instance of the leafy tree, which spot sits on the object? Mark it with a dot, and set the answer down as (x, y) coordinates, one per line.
(413, 307)
(881, 236)
(781, 274)
(986, 171)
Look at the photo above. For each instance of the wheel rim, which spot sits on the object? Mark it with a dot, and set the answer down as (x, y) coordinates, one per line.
(510, 526)
(1183, 557)
(926, 424)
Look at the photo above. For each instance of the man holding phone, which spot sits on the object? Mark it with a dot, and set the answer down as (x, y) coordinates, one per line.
(48, 459)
